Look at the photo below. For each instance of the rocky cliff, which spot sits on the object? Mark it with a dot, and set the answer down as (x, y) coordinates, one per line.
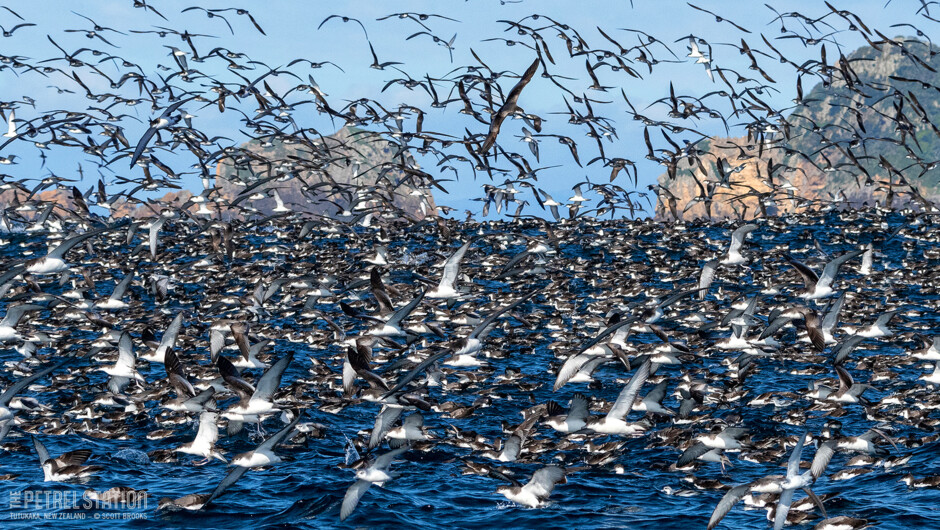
(811, 164)
(349, 180)
(360, 160)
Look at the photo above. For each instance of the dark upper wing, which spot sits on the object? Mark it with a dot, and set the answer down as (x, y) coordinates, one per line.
(809, 277)
(508, 106)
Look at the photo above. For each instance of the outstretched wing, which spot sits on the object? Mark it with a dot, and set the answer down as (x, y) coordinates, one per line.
(627, 396)
(351, 500)
(737, 237)
(543, 481)
(726, 503)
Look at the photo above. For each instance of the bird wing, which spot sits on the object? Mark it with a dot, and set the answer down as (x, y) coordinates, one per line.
(121, 286)
(482, 328)
(737, 237)
(359, 359)
(155, 235)
(41, 450)
(280, 435)
(414, 420)
(658, 392)
(627, 396)
(707, 277)
(176, 376)
(349, 374)
(351, 499)
(543, 481)
(832, 268)
(141, 144)
(884, 318)
(735, 432)
(407, 378)
(379, 292)
(148, 134)
(690, 454)
(216, 343)
(726, 503)
(385, 460)
(845, 380)
(271, 379)
(172, 331)
(239, 333)
(610, 329)
(809, 277)
(793, 465)
(832, 316)
(512, 448)
(208, 432)
(811, 321)
(233, 475)
(73, 458)
(15, 313)
(508, 106)
(847, 347)
(234, 380)
(13, 389)
(571, 366)
(383, 423)
(452, 266)
(403, 313)
(822, 458)
(816, 500)
(126, 358)
(773, 327)
(65, 246)
(783, 507)
(578, 410)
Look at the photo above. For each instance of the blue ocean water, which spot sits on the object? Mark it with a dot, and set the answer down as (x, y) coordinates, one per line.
(305, 491)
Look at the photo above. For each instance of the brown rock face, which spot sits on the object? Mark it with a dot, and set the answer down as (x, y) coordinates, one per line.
(807, 164)
(324, 187)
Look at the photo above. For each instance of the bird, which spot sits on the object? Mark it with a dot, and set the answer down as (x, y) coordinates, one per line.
(264, 454)
(786, 486)
(11, 126)
(10, 392)
(446, 289)
(508, 107)
(734, 257)
(614, 422)
(253, 401)
(166, 120)
(206, 437)
(376, 472)
(69, 466)
(123, 371)
(12, 318)
(54, 261)
(535, 492)
(821, 286)
(574, 420)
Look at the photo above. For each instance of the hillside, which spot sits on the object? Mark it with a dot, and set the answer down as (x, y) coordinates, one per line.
(357, 159)
(323, 191)
(830, 121)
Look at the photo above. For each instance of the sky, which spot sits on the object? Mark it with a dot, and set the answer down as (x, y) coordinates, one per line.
(292, 32)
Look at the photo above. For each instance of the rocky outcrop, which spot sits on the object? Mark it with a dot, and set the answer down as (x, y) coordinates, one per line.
(811, 166)
(359, 160)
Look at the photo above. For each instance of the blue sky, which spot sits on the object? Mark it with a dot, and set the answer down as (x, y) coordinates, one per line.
(292, 32)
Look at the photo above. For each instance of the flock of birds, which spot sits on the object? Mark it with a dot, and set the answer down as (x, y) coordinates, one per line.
(225, 321)
(196, 81)
(427, 326)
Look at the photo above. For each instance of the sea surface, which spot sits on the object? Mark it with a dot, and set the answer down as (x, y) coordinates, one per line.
(432, 490)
